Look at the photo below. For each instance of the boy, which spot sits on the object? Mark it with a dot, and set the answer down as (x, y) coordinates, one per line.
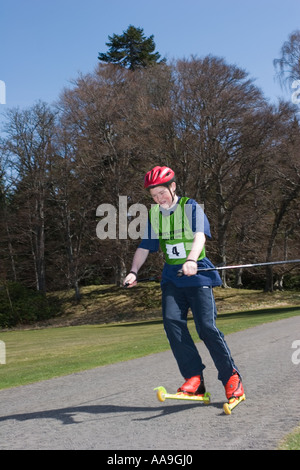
(180, 227)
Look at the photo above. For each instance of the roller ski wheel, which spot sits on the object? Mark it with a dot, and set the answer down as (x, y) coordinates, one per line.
(232, 403)
(163, 395)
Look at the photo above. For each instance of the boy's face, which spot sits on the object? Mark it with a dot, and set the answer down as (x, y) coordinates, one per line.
(162, 196)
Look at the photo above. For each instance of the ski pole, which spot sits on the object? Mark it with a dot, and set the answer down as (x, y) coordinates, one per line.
(241, 266)
(147, 279)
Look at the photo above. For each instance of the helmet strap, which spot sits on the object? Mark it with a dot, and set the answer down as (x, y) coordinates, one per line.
(172, 194)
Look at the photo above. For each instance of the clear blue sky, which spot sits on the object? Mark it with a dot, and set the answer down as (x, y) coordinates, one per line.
(46, 43)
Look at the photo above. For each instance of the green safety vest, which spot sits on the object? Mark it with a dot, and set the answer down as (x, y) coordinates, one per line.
(174, 232)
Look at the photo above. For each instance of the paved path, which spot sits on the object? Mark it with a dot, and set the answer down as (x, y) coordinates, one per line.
(114, 407)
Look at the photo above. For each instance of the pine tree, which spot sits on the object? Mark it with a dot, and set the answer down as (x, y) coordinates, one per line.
(131, 50)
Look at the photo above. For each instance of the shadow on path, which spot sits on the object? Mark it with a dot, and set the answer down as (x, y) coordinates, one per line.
(67, 415)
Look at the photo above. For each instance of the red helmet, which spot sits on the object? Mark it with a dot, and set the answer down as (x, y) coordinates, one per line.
(159, 176)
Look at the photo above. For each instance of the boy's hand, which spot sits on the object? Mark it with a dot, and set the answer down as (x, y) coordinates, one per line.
(189, 268)
(130, 280)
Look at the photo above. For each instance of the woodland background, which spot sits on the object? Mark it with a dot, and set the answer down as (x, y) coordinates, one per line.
(231, 150)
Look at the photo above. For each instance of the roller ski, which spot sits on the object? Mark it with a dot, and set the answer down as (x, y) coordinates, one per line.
(234, 392)
(192, 390)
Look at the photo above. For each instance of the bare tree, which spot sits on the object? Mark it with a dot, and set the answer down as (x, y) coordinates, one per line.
(29, 134)
(287, 65)
(221, 137)
(7, 252)
(285, 192)
(106, 115)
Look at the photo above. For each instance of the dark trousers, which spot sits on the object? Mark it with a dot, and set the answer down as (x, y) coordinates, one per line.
(175, 304)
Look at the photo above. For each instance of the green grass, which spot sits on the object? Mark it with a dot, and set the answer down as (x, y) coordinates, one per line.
(34, 355)
(291, 441)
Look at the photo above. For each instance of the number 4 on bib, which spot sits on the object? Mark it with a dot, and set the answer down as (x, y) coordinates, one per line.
(176, 251)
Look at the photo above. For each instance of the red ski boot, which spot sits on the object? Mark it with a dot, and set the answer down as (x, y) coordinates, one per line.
(193, 386)
(234, 392)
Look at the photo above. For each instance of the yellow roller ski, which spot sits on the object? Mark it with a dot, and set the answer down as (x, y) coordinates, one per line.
(232, 403)
(163, 395)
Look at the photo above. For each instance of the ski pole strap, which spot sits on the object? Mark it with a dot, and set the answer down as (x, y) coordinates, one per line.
(133, 272)
(241, 266)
